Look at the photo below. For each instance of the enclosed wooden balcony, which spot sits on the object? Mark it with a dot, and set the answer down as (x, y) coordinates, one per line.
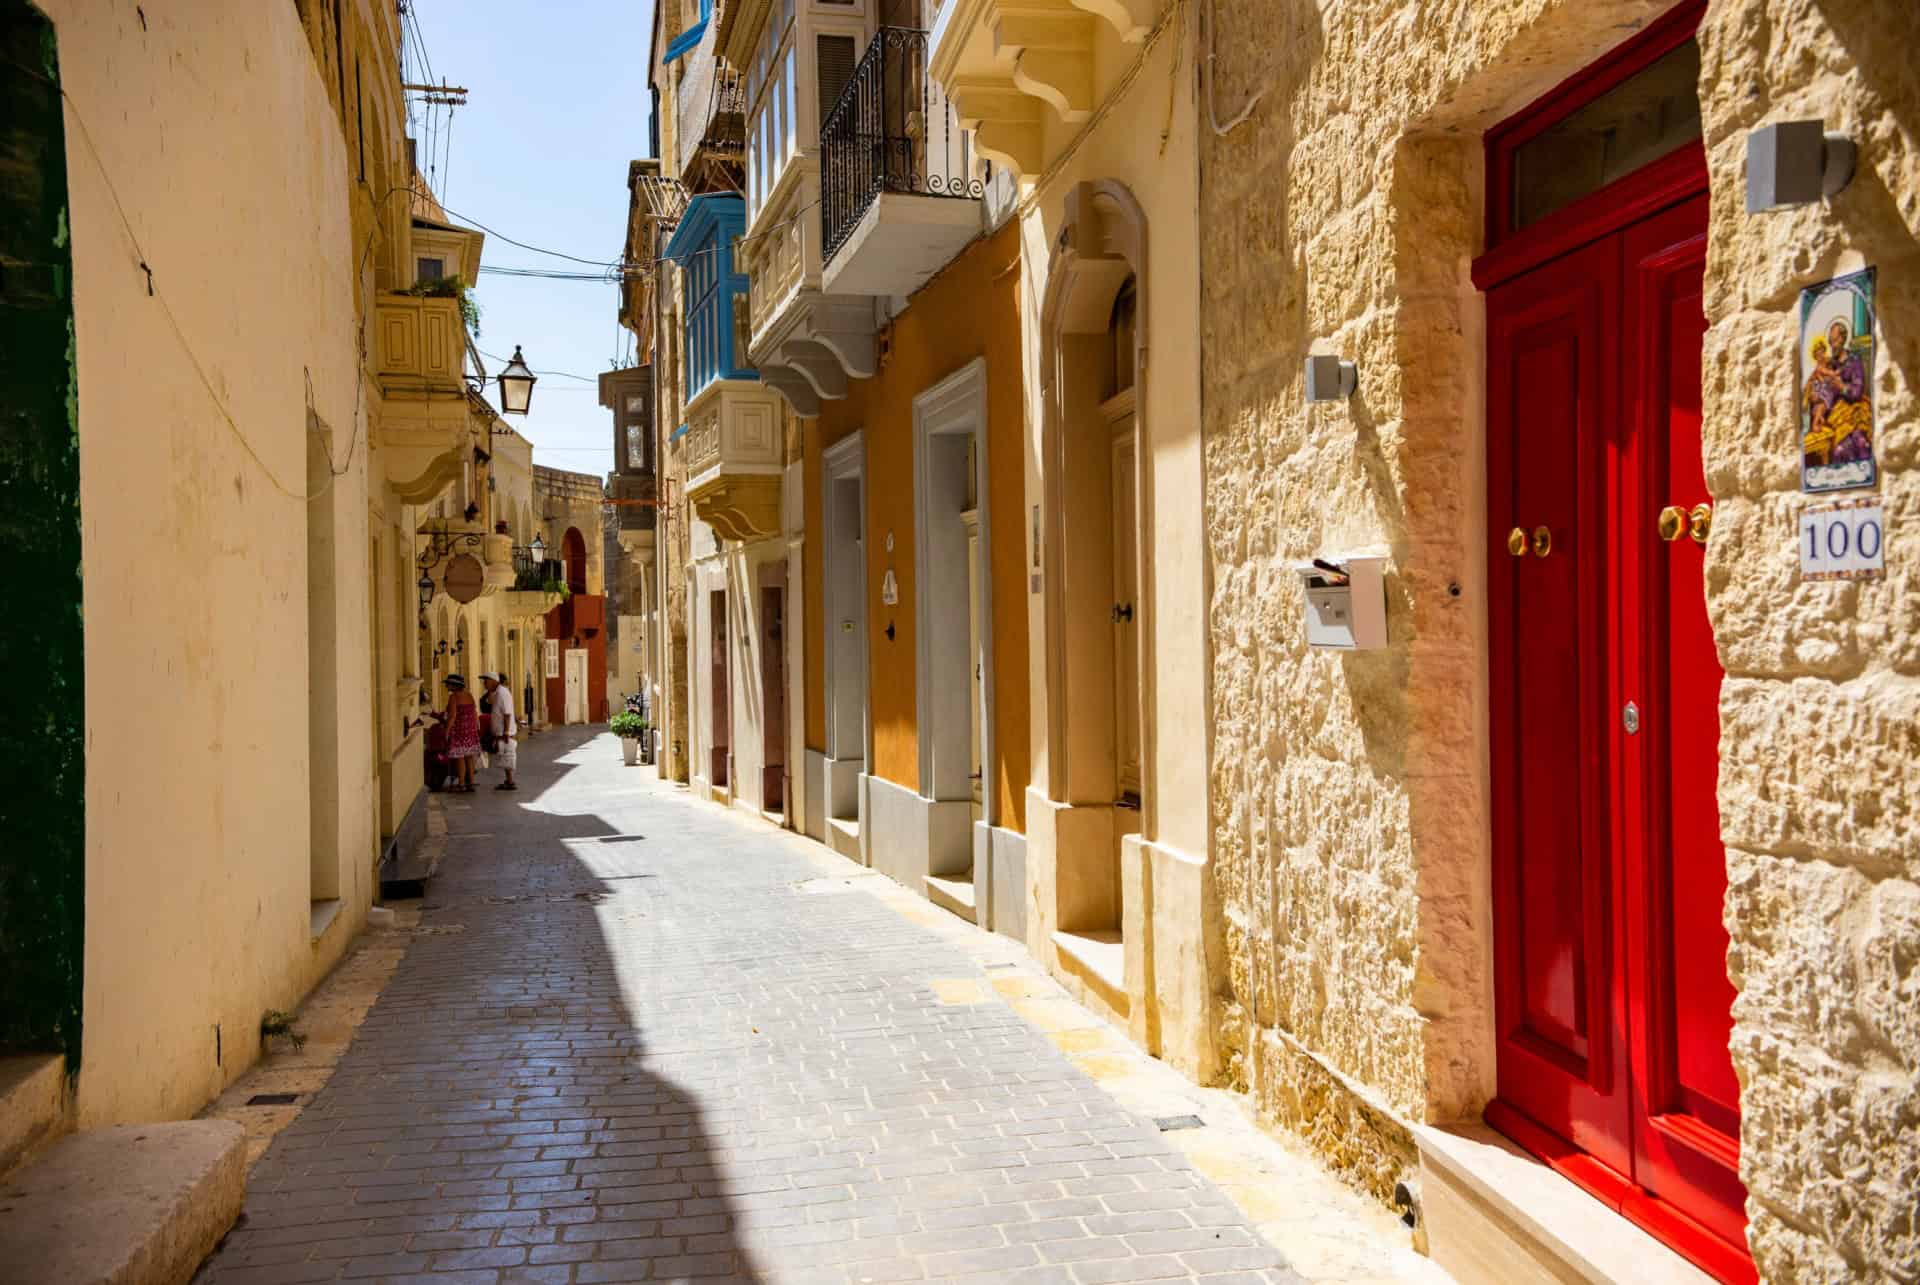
(421, 346)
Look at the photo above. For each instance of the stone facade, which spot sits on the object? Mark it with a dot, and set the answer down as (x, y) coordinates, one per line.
(1349, 793)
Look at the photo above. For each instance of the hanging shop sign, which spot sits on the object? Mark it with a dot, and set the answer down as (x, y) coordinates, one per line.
(1836, 354)
(465, 578)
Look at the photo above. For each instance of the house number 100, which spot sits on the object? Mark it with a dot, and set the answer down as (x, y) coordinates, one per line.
(1843, 541)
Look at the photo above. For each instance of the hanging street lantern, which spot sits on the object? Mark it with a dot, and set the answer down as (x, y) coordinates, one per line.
(539, 549)
(425, 587)
(516, 385)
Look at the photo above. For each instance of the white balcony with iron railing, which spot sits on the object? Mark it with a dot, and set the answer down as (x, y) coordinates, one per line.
(899, 191)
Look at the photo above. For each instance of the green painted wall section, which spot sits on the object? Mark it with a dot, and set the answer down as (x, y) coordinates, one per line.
(42, 747)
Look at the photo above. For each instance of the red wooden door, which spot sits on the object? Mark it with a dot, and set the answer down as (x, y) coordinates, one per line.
(1614, 1006)
(1687, 1104)
(1552, 400)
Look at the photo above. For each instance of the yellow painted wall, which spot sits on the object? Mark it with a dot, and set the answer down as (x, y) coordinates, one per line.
(212, 131)
(972, 309)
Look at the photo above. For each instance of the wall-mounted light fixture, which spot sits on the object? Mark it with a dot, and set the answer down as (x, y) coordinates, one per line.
(1796, 162)
(1329, 379)
(516, 385)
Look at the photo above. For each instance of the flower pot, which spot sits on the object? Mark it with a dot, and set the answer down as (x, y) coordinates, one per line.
(630, 749)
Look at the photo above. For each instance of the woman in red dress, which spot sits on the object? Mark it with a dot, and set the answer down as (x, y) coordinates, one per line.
(463, 732)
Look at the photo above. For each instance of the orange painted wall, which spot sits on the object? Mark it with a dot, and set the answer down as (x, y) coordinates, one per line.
(971, 310)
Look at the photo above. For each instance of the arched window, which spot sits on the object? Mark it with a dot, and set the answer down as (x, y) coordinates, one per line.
(1120, 329)
(573, 548)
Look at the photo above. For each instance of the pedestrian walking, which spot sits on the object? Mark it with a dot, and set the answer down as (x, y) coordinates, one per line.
(506, 728)
(463, 732)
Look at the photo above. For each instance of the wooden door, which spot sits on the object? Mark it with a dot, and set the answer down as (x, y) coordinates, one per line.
(773, 699)
(1126, 611)
(976, 660)
(1562, 1048)
(1614, 1005)
(576, 706)
(720, 724)
(1687, 1103)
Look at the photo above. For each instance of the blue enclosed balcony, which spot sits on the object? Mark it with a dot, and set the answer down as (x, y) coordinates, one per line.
(715, 303)
(731, 443)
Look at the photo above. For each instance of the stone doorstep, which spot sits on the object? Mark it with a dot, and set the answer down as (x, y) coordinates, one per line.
(843, 836)
(1492, 1213)
(33, 1106)
(954, 893)
(1098, 957)
(130, 1205)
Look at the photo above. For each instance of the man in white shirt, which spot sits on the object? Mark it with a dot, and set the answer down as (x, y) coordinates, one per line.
(506, 728)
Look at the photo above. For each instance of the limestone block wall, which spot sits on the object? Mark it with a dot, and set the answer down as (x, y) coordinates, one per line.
(1820, 715)
(1349, 814)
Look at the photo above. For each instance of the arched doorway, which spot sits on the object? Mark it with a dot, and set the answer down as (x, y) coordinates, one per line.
(1096, 575)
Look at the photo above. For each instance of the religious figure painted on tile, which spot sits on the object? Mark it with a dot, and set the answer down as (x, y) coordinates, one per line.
(1836, 384)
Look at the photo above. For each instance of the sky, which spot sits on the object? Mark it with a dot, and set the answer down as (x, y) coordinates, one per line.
(557, 107)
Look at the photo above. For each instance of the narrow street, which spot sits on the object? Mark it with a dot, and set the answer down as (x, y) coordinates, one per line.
(639, 1038)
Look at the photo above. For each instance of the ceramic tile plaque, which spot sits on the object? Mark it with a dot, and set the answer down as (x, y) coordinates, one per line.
(1843, 541)
(1836, 384)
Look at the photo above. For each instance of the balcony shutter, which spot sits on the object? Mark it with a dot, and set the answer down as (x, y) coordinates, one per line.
(833, 66)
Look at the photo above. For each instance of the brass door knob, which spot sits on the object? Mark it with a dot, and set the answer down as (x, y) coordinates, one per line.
(1517, 542)
(1542, 542)
(1700, 521)
(1673, 521)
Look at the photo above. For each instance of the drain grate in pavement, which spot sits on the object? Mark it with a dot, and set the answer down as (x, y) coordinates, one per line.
(1168, 1123)
(273, 1099)
(991, 967)
(621, 838)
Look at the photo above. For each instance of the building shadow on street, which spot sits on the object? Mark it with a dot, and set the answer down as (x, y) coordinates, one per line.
(500, 1110)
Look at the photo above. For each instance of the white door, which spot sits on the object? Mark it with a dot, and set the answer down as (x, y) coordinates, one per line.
(576, 685)
(976, 656)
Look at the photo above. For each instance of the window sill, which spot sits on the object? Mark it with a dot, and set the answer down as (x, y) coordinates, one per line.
(320, 916)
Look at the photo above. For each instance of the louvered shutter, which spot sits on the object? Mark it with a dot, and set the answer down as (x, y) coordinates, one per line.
(833, 67)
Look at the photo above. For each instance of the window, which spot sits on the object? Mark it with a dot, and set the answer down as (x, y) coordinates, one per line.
(703, 246)
(1120, 328)
(1639, 106)
(426, 270)
(833, 64)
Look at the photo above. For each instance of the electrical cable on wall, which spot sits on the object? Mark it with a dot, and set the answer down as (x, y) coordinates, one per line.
(334, 469)
(1213, 116)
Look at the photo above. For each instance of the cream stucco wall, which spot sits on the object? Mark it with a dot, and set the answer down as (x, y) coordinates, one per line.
(1349, 814)
(1142, 141)
(196, 560)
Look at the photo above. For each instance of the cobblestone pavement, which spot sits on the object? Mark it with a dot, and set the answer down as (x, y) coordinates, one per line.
(638, 1038)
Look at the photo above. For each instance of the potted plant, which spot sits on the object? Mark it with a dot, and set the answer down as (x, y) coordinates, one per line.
(629, 727)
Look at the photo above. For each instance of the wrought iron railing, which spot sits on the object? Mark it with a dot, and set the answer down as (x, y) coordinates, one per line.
(528, 574)
(713, 114)
(892, 130)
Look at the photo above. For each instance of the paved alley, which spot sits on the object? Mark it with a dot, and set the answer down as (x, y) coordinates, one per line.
(637, 1038)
